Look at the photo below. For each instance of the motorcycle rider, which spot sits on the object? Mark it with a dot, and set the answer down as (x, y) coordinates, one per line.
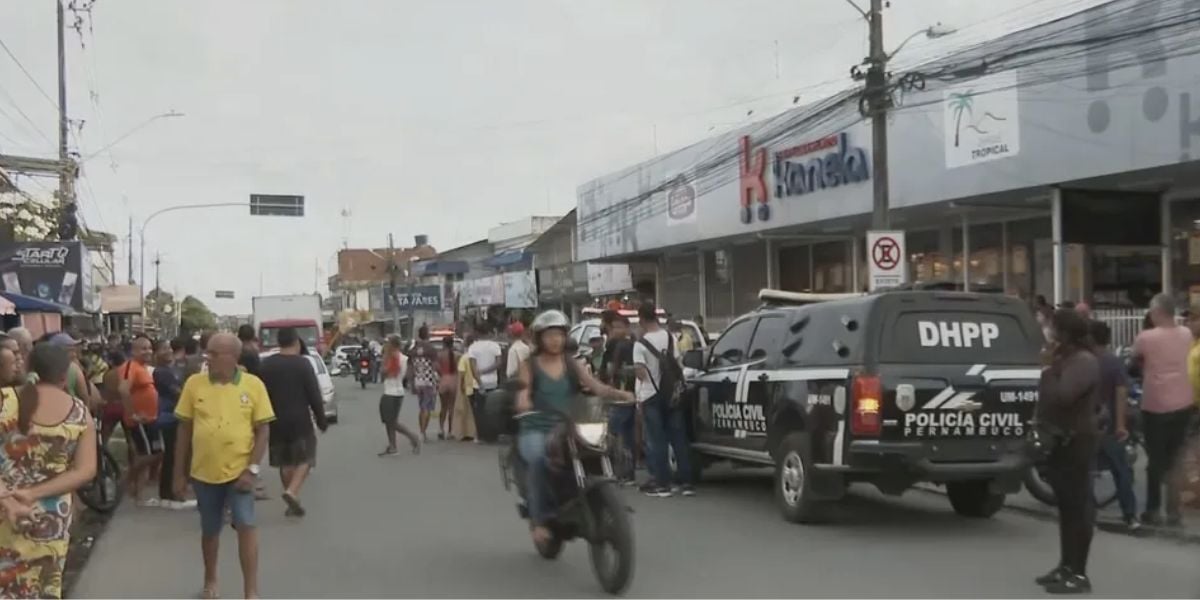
(551, 380)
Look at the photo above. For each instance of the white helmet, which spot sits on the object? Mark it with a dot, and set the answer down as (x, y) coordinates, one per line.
(550, 319)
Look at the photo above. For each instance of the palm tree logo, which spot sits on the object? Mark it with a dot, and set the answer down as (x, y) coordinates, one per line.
(961, 103)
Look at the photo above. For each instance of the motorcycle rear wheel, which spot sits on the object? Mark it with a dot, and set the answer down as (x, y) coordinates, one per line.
(611, 548)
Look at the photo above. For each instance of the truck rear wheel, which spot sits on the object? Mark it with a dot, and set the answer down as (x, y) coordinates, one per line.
(974, 499)
(793, 483)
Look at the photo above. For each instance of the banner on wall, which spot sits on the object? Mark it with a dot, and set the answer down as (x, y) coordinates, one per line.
(981, 120)
(520, 289)
(606, 279)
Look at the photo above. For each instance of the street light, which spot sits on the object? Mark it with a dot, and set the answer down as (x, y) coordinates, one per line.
(142, 251)
(167, 115)
(932, 32)
(259, 205)
(878, 99)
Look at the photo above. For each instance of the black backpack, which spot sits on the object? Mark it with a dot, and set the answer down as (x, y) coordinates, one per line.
(670, 372)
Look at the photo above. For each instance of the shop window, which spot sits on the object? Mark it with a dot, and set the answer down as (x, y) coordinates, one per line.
(831, 267)
(749, 275)
(718, 285)
(793, 268)
(680, 292)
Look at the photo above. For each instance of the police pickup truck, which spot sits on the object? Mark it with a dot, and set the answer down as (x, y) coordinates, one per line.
(890, 388)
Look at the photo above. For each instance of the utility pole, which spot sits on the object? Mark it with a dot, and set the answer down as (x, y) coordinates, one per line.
(129, 251)
(158, 292)
(66, 175)
(393, 271)
(878, 101)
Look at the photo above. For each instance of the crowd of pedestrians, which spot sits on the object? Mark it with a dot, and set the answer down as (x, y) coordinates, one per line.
(1085, 416)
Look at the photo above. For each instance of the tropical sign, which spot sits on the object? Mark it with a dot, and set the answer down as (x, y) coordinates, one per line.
(981, 121)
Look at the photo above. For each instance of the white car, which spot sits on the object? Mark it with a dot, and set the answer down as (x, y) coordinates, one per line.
(583, 332)
(328, 396)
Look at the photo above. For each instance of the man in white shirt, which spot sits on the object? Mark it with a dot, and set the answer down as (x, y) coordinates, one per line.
(663, 424)
(485, 359)
(519, 351)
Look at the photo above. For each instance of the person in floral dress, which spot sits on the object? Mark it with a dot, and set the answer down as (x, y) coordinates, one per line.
(47, 451)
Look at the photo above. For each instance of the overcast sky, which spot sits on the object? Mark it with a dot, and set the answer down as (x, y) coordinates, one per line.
(443, 117)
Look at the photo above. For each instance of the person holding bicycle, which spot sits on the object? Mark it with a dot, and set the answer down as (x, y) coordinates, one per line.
(550, 381)
(1114, 431)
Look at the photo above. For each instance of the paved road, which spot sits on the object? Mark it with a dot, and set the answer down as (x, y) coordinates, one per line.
(440, 525)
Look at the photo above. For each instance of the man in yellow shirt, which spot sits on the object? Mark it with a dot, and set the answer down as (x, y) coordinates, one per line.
(223, 416)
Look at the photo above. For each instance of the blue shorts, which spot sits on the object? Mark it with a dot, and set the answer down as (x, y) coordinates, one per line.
(211, 500)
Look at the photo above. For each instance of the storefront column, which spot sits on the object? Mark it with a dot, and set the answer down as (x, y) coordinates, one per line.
(703, 285)
(658, 277)
(1004, 255)
(966, 254)
(812, 277)
(1165, 239)
(732, 283)
(1056, 242)
(854, 264)
(771, 264)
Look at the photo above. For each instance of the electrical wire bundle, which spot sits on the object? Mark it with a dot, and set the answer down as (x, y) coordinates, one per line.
(1125, 32)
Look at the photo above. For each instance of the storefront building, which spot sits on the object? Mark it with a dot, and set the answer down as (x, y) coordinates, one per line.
(1057, 161)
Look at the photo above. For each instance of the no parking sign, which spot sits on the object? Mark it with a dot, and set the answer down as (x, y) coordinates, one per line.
(887, 259)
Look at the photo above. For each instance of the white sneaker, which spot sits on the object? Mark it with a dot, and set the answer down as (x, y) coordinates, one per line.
(179, 504)
(150, 503)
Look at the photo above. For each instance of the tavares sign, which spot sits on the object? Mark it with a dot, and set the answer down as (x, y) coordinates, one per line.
(810, 167)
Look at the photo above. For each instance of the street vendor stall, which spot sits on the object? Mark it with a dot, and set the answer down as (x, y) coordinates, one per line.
(38, 316)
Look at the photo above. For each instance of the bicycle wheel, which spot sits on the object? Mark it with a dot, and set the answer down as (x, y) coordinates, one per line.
(103, 493)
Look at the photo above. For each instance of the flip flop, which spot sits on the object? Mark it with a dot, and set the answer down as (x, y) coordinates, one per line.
(209, 593)
(293, 504)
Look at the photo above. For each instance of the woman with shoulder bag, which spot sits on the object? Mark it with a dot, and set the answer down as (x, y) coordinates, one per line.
(1069, 393)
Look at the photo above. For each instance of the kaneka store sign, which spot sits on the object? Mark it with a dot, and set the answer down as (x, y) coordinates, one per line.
(807, 168)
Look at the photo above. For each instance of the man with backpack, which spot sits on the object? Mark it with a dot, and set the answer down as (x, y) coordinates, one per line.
(659, 390)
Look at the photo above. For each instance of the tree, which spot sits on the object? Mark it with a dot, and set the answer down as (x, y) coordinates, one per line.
(961, 103)
(30, 219)
(195, 316)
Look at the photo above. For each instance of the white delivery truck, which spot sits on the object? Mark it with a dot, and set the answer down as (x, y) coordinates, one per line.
(301, 311)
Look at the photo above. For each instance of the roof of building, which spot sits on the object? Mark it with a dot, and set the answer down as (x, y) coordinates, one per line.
(371, 264)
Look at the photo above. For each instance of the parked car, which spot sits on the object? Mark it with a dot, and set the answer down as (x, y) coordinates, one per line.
(582, 332)
(324, 379)
(890, 389)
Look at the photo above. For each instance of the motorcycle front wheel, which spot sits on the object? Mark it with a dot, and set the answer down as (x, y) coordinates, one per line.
(611, 547)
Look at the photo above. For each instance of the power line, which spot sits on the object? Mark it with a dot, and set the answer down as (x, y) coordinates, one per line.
(24, 116)
(1021, 49)
(28, 74)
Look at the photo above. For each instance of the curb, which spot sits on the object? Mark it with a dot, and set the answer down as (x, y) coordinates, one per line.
(1179, 535)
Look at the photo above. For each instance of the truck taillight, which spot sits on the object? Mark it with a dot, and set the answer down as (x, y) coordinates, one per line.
(867, 405)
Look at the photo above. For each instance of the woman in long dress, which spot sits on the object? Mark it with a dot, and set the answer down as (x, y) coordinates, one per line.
(447, 388)
(47, 451)
(464, 415)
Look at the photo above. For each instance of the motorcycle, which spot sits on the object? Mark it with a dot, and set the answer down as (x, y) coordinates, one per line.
(364, 371)
(580, 481)
(103, 493)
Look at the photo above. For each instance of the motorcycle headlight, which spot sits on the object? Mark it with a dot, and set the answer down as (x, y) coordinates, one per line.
(592, 434)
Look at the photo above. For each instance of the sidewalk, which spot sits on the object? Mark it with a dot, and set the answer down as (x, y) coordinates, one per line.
(1108, 519)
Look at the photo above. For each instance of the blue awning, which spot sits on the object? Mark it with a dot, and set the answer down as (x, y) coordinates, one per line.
(508, 258)
(30, 304)
(443, 267)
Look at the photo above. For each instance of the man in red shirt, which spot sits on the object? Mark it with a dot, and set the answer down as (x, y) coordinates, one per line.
(140, 399)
